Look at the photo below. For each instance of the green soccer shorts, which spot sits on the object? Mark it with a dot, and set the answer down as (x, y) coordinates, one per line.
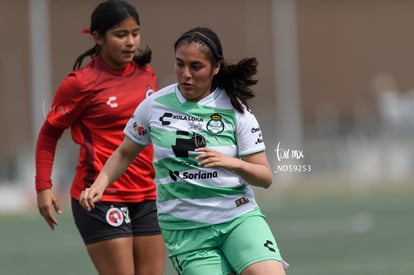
(222, 248)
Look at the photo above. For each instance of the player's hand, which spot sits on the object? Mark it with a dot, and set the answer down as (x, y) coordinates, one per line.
(47, 202)
(89, 196)
(212, 158)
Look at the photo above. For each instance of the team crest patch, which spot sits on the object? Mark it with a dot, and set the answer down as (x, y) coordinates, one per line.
(215, 125)
(149, 91)
(114, 216)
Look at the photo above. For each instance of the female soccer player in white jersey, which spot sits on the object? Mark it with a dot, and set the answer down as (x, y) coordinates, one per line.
(208, 150)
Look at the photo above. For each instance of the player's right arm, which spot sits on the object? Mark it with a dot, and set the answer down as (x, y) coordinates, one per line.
(114, 167)
(68, 104)
(45, 153)
(46, 203)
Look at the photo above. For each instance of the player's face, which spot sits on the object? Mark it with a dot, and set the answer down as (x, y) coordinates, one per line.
(120, 43)
(194, 71)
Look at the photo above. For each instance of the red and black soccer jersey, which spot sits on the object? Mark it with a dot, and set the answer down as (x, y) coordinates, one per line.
(97, 102)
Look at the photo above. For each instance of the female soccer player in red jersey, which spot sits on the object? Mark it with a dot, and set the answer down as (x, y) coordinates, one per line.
(121, 234)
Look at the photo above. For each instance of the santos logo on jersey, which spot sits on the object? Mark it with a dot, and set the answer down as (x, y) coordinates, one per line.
(192, 176)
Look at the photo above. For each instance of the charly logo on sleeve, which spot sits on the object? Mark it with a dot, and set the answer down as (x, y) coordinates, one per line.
(259, 132)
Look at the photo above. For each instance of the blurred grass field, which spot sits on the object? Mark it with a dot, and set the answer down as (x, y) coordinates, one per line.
(319, 233)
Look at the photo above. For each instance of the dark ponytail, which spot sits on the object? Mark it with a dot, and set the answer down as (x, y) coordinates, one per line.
(235, 79)
(144, 56)
(91, 52)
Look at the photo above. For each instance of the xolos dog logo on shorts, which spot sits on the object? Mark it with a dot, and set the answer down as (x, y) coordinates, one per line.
(114, 216)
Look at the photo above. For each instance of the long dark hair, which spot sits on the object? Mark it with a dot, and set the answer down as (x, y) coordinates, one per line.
(107, 15)
(235, 79)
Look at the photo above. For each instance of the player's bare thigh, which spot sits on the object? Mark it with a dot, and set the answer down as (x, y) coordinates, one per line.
(268, 267)
(150, 255)
(115, 256)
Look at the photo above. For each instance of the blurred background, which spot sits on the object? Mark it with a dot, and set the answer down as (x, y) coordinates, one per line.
(335, 100)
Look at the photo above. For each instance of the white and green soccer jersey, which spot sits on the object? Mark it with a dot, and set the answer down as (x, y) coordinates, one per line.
(188, 195)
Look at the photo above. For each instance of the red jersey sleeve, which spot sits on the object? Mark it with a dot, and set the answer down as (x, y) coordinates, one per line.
(70, 100)
(45, 154)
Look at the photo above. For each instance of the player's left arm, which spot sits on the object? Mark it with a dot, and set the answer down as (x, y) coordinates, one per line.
(253, 168)
(114, 167)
